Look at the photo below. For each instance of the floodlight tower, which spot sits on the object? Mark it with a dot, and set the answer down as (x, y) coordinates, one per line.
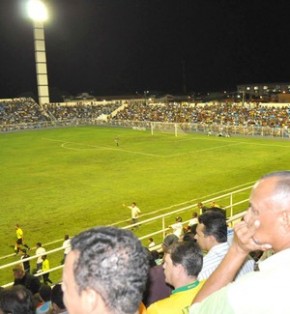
(37, 11)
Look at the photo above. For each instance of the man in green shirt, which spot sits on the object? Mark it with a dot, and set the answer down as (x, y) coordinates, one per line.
(181, 266)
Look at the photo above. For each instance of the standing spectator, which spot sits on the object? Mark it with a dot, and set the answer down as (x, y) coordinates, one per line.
(19, 239)
(202, 209)
(193, 220)
(66, 246)
(181, 266)
(40, 251)
(151, 243)
(26, 264)
(105, 272)
(27, 280)
(45, 268)
(177, 227)
(135, 212)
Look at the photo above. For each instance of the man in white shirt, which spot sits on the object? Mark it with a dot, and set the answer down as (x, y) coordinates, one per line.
(177, 228)
(266, 225)
(40, 251)
(211, 236)
(135, 212)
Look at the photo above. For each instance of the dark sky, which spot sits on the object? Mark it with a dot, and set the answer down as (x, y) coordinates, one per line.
(124, 46)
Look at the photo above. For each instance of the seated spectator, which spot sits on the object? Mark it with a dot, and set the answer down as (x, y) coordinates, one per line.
(181, 266)
(211, 236)
(105, 272)
(45, 295)
(16, 300)
(57, 304)
(27, 280)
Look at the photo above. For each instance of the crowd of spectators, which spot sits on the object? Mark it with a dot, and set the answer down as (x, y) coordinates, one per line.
(24, 111)
(21, 110)
(221, 113)
(80, 110)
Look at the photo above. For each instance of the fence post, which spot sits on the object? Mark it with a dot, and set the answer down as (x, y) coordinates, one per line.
(163, 226)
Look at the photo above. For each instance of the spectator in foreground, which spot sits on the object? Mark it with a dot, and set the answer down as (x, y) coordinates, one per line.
(105, 272)
(266, 225)
(16, 300)
(211, 236)
(27, 280)
(181, 266)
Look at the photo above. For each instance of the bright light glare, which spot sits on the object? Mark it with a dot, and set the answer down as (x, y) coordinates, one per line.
(37, 10)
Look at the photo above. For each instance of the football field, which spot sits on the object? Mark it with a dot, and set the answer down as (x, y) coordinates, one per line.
(58, 181)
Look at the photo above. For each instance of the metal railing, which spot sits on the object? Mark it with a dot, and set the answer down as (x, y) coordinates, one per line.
(233, 202)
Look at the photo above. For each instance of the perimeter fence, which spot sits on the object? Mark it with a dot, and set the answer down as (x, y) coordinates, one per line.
(234, 202)
(210, 129)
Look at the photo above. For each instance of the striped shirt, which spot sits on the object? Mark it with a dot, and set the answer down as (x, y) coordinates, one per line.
(213, 258)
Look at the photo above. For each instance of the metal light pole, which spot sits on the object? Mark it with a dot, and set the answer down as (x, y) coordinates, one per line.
(37, 11)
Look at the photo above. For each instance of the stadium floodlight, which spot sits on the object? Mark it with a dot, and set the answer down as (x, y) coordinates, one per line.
(37, 11)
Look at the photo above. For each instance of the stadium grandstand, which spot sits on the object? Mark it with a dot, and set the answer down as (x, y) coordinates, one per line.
(219, 118)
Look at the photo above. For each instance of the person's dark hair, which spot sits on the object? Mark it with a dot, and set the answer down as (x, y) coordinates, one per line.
(45, 292)
(112, 262)
(57, 296)
(168, 241)
(16, 300)
(38, 244)
(155, 254)
(189, 255)
(151, 259)
(193, 229)
(189, 236)
(66, 237)
(215, 224)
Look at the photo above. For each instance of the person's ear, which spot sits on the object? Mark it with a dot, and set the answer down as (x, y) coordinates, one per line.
(92, 302)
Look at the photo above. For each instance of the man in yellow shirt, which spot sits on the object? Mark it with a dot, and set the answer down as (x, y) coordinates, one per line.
(19, 239)
(181, 266)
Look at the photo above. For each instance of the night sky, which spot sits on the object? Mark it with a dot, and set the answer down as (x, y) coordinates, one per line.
(110, 47)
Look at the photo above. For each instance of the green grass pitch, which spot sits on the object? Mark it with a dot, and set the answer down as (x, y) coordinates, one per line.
(58, 181)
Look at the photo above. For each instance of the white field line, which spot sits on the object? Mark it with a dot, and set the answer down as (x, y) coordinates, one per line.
(101, 147)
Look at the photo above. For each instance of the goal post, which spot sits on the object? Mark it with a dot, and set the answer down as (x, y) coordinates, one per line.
(166, 127)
